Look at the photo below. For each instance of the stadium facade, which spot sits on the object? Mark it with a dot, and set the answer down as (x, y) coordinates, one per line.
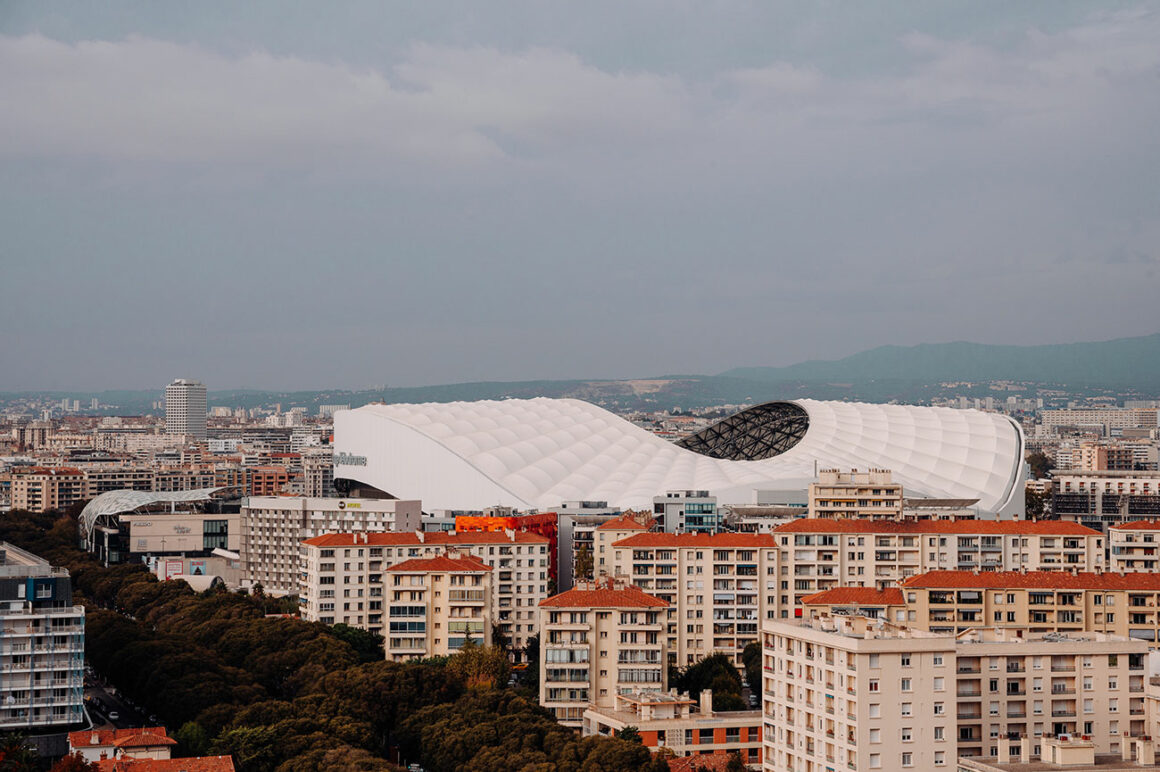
(538, 453)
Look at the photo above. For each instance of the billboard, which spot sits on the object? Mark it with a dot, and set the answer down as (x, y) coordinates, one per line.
(197, 567)
(173, 568)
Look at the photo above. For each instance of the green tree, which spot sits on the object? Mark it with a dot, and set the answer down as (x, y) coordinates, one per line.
(480, 666)
(735, 763)
(15, 756)
(192, 739)
(629, 734)
(751, 659)
(1041, 464)
(584, 564)
(1036, 503)
(367, 645)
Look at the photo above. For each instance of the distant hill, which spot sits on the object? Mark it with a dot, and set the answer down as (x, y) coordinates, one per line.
(1125, 362)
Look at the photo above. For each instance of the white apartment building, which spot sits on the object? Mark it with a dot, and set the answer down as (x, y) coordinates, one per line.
(1132, 546)
(854, 694)
(821, 554)
(719, 586)
(185, 408)
(1108, 420)
(871, 494)
(1102, 499)
(273, 528)
(687, 511)
(343, 576)
(872, 695)
(42, 644)
(598, 640)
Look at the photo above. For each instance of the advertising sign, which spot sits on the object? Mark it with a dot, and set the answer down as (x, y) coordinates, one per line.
(197, 567)
(172, 568)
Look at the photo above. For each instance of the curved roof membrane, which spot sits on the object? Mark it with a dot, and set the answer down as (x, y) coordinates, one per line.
(119, 502)
(542, 452)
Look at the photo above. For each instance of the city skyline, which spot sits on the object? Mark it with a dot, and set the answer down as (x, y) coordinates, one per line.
(414, 196)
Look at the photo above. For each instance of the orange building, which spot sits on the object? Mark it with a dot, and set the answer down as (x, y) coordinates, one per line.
(542, 523)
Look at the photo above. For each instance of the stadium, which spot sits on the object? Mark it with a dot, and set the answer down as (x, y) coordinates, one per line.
(538, 453)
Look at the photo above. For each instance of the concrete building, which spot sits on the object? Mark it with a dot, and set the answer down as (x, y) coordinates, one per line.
(686, 727)
(599, 640)
(42, 645)
(1102, 499)
(1108, 421)
(342, 575)
(1132, 546)
(875, 695)
(185, 408)
(318, 473)
(853, 693)
(871, 494)
(1073, 753)
(609, 533)
(138, 742)
(436, 605)
(1123, 604)
(821, 554)
(273, 528)
(48, 489)
(687, 512)
(576, 522)
(719, 585)
(888, 604)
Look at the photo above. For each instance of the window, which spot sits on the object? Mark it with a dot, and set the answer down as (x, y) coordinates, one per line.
(940, 758)
(873, 685)
(875, 761)
(939, 684)
(939, 733)
(907, 734)
(939, 708)
(908, 759)
(938, 660)
(906, 685)
(875, 710)
(874, 660)
(906, 709)
(875, 735)
(905, 660)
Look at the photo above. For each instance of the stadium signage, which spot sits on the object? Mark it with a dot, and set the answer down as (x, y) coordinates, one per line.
(346, 459)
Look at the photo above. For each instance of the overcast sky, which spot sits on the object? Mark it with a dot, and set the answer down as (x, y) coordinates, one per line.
(301, 195)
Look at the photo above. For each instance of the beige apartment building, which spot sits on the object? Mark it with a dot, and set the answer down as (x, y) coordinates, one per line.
(48, 489)
(821, 554)
(273, 528)
(609, 533)
(854, 694)
(1123, 604)
(1132, 545)
(856, 494)
(437, 604)
(871, 695)
(343, 575)
(719, 586)
(599, 640)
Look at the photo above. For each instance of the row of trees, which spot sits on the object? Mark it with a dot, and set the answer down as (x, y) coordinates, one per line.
(283, 695)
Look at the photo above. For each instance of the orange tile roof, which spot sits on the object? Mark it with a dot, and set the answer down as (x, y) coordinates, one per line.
(623, 523)
(1139, 525)
(1047, 580)
(891, 596)
(92, 738)
(145, 739)
(708, 540)
(193, 764)
(442, 538)
(963, 526)
(440, 563)
(604, 597)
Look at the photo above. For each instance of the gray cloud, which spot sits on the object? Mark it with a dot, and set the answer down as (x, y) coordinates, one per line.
(462, 205)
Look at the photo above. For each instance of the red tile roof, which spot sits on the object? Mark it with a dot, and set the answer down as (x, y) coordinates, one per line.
(1047, 580)
(1139, 525)
(144, 740)
(604, 597)
(864, 596)
(963, 526)
(623, 523)
(707, 540)
(194, 764)
(440, 563)
(441, 538)
(93, 738)
(717, 761)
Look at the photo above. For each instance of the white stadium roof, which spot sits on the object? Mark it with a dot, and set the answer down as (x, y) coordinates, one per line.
(541, 452)
(121, 501)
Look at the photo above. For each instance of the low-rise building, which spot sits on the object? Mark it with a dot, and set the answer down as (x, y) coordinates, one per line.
(435, 605)
(598, 640)
(686, 727)
(138, 742)
(687, 512)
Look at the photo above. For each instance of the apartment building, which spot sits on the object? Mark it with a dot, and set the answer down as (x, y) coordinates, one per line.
(915, 699)
(684, 726)
(48, 489)
(1132, 545)
(719, 586)
(856, 694)
(599, 640)
(185, 408)
(871, 494)
(687, 511)
(343, 576)
(576, 523)
(1108, 420)
(42, 644)
(273, 528)
(821, 554)
(436, 605)
(1123, 604)
(1100, 500)
(609, 533)
(888, 604)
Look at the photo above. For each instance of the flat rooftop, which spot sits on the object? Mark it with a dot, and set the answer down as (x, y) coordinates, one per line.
(1108, 763)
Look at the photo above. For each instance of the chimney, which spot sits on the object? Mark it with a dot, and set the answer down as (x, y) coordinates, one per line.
(707, 702)
(419, 534)
(96, 740)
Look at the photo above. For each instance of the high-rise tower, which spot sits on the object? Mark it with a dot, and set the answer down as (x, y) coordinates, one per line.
(185, 408)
